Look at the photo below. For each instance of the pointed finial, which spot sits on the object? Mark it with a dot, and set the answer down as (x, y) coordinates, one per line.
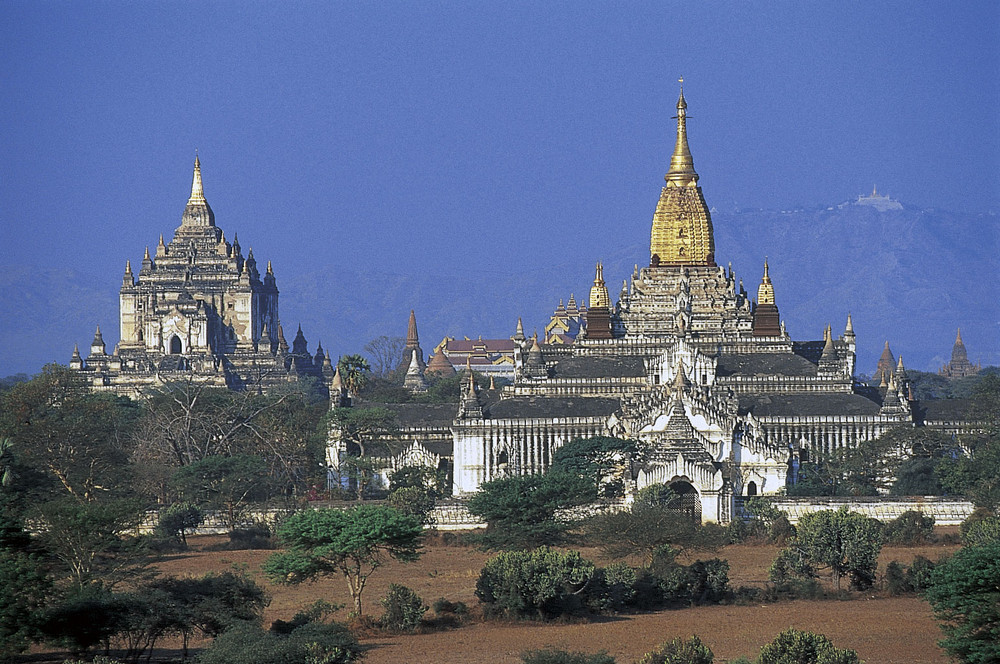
(850, 325)
(128, 266)
(197, 190)
(146, 255)
(493, 385)
(269, 270)
(681, 171)
(958, 337)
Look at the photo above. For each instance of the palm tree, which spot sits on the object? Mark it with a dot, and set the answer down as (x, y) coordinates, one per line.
(354, 370)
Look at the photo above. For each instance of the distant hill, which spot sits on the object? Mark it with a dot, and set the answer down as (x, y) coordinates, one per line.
(909, 276)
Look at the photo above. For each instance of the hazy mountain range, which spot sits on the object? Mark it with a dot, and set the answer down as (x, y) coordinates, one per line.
(908, 276)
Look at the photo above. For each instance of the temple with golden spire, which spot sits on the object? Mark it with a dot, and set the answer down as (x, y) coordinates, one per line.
(722, 402)
(199, 309)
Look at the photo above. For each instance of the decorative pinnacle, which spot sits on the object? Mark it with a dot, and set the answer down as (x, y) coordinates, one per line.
(197, 190)
(269, 270)
(599, 293)
(128, 266)
(765, 292)
(681, 171)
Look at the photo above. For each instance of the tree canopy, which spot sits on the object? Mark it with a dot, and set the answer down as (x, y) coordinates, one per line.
(964, 594)
(521, 511)
(353, 543)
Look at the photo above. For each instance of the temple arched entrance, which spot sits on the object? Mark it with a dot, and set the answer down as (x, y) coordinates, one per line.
(751, 489)
(685, 499)
(175, 345)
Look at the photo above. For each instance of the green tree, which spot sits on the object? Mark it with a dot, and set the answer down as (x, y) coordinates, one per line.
(92, 540)
(177, 519)
(680, 651)
(229, 484)
(604, 460)
(846, 542)
(353, 543)
(521, 511)
(78, 441)
(363, 433)
(540, 583)
(965, 596)
(355, 372)
(976, 473)
(794, 646)
(25, 588)
(210, 604)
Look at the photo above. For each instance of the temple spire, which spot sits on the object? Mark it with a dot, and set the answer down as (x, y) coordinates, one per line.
(197, 190)
(765, 292)
(197, 212)
(681, 173)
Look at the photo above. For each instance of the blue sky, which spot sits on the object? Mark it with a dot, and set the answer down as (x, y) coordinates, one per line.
(470, 137)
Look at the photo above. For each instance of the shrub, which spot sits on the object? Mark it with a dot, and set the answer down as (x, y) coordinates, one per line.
(177, 519)
(443, 606)
(980, 531)
(612, 587)
(750, 530)
(318, 611)
(540, 583)
(553, 656)
(412, 500)
(910, 528)
(403, 609)
(250, 537)
(708, 581)
(781, 529)
(896, 579)
(797, 647)
(790, 563)
(679, 651)
(313, 642)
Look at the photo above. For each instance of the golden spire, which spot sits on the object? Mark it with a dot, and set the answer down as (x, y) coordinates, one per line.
(765, 292)
(682, 225)
(197, 191)
(681, 173)
(599, 292)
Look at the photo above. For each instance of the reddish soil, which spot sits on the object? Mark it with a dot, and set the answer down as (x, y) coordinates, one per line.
(883, 630)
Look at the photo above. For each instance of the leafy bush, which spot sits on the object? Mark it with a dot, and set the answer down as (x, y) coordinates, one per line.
(177, 519)
(903, 580)
(797, 647)
(981, 531)
(403, 609)
(443, 606)
(741, 531)
(541, 583)
(910, 528)
(553, 656)
(313, 643)
(679, 651)
(612, 587)
(413, 500)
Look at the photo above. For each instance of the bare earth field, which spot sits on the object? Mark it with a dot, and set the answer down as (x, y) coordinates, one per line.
(882, 630)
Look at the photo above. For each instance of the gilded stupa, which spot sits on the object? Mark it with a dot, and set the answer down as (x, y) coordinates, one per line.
(682, 225)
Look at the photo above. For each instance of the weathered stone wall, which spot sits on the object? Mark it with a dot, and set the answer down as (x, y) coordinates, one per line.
(946, 511)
